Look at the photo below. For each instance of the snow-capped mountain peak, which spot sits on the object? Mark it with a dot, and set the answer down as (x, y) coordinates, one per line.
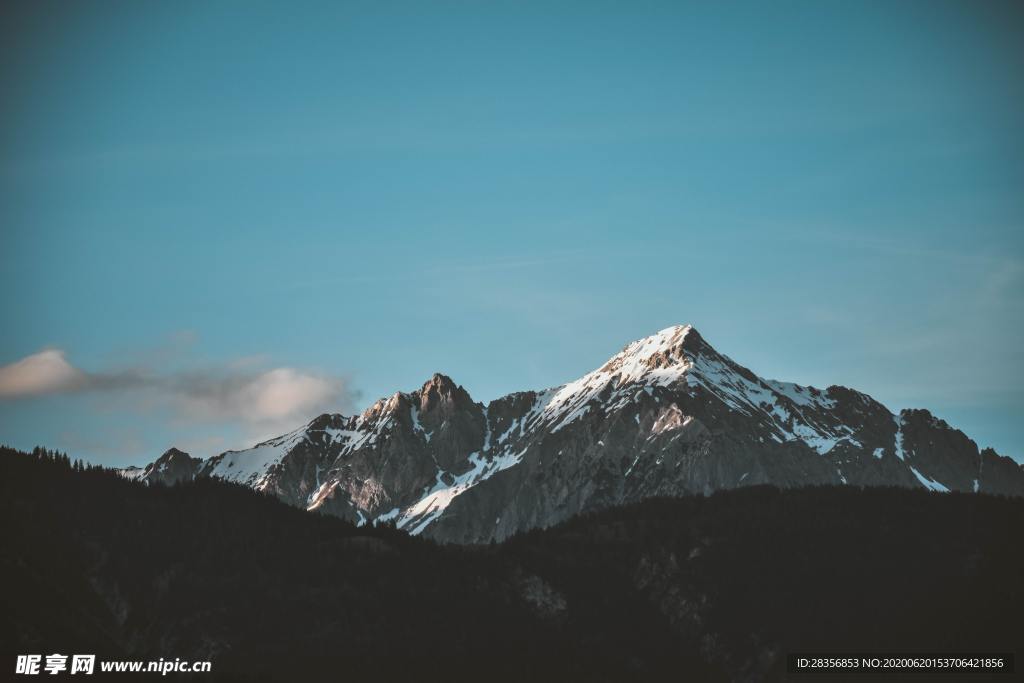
(664, 350)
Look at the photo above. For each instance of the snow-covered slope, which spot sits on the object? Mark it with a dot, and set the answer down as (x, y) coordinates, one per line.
(667, 415)
(252, 466)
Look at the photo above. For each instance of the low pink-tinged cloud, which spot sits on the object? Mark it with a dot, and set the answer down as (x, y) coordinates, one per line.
(278, 395)
(45, 372)
(261, 399)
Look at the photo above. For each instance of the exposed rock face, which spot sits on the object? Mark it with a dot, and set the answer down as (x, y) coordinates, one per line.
(668, 415)
(369, 466)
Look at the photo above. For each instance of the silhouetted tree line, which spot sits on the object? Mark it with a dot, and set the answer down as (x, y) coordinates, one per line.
(59, 459)
(699, 588)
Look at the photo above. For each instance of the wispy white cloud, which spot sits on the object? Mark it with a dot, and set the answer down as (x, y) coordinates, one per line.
(243, 392)
(278, 396)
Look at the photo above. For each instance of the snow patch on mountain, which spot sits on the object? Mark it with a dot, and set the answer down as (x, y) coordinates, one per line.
(898, 439)
(133, 473)
(782, 404)
(414, 415)
(669, 419)
(807, 397)
(251, 467)
(425, 511)
(929, 484)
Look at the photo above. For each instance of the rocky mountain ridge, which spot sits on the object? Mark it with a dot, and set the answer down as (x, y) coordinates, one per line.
(666, 416)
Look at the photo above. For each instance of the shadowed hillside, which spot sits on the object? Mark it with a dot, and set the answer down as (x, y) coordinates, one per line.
(701, 588)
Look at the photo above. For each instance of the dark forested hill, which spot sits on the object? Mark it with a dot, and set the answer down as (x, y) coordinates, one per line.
(697, 588)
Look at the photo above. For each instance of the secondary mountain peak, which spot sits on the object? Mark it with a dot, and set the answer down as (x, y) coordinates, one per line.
(172, 452)
(441, 383)
(173, 466)
(441, 390)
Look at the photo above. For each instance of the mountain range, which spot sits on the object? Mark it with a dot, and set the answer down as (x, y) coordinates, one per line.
(666, 416)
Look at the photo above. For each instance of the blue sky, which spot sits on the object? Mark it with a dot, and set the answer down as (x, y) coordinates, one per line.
(221, 218)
